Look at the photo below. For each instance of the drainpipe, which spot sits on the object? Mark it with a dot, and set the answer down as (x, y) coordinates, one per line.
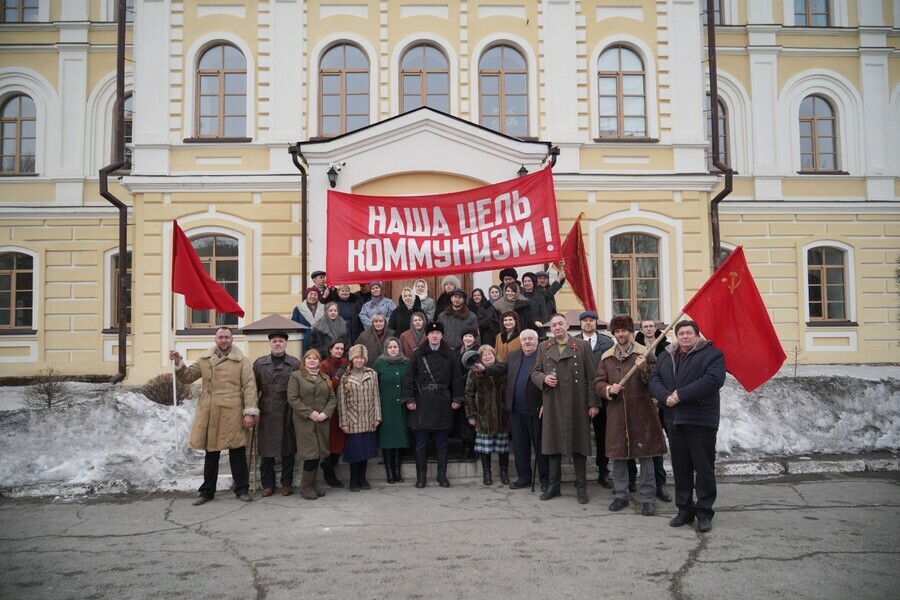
(296, 156)
(714, 119)
(118, 163)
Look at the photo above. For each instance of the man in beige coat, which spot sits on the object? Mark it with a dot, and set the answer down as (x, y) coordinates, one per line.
(228, 406)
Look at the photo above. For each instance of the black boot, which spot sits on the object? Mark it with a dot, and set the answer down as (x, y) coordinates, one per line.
(555, 476)
(389, 473)
(395, 465)
(581, 479)
(421, 468)
(442, 468)
(328, 470)
(363, 484)
(486, 475)
(354, 477)
(504, 468)
(469, 453)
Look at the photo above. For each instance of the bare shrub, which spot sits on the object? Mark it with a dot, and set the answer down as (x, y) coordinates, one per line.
(159, 390)
(49, 390)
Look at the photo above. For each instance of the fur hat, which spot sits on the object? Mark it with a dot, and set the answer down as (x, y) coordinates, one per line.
(621, 322)
(469, 330)
(508, 272)
(358, 350)
(434, 326)
(510, 313)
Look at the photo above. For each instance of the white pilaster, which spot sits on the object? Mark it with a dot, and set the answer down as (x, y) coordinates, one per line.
(151, 52)
(876, 109)
(560, 71)
(687, 102)
(72, 87)
(764, 86)
(759, 13)
(287, 67)
(74, 10)
(870, 14)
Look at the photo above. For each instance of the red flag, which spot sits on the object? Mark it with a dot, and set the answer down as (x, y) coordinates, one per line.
(578, 273)
(731, 313)
(189, 277)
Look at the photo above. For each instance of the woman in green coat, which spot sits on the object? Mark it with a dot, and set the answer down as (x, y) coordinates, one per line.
(313, 401)
(392, 434)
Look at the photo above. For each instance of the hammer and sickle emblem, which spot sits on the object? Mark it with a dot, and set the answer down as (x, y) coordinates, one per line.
(733, 280)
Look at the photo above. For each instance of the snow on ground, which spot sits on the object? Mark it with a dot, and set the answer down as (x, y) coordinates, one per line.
(117, 435)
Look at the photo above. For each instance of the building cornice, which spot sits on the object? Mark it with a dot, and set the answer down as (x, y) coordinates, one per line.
(813, 206)
(19, 212)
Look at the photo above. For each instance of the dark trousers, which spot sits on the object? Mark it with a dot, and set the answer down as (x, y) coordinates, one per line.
(423, 437)
(239, 471)
(526, 434)
(267, 471)
(694, 465)
(599, 423)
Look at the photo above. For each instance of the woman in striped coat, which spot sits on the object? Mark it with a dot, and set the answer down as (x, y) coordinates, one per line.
(359, 409)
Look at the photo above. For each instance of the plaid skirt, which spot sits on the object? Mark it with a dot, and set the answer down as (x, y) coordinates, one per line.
(489, 444)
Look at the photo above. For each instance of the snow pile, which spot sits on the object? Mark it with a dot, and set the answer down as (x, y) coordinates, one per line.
(122, 436)
(118, 439)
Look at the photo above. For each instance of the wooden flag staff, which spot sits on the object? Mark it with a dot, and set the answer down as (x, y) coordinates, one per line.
(658, 339)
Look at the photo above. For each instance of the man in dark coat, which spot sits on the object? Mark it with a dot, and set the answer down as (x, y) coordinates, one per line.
(688, 378)
(633, 431)
(645, 337)
(549, 289)
(432, 389)
(456, 318)
(276, 421)
(599, 344)
(564, 370)
(523, 402)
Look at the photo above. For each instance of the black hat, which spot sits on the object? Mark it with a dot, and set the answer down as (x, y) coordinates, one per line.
(278, 334)
(472, 330)
(508, 272)
(317, 273)
(530, 276)
(434, 326)
(543, 274)
(458, 292)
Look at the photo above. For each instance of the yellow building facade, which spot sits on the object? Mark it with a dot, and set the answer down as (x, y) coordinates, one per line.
(218, 90)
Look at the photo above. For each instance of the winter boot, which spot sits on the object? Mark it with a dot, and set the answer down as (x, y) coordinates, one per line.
(581, 478)
(395, 465)
(442, 468)
(307, 490)
(363, 484)
(504, 468)
(328, 470)
(354, 477)
(421, 468)
(320, 491)
(388, 466)
(469, 453)
(486, 474)
(555, 463)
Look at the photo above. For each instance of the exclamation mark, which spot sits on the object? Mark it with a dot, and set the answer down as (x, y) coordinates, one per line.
(548, 235)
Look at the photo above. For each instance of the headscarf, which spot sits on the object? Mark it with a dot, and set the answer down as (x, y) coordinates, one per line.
(424, 294)
(403, 302)
(488, 297)
(393, 360)
(418, 334)
(504, 304)
(334, 329)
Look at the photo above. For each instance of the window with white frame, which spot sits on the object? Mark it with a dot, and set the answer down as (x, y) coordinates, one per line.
(16, 290)
(635, 275)
(425, 79)
(826, 280)
(219, 255)
(343, 90)
(818, 135)
(503, 89)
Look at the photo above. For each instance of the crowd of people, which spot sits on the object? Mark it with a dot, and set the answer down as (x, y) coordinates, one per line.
(499, 368)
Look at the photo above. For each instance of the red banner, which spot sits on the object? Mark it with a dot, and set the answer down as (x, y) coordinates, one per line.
(190, 279)
(730, 313)
(507, 224)
(578, 272)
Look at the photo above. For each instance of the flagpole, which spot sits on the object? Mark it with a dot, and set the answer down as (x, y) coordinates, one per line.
(658, 339)
(174, 382)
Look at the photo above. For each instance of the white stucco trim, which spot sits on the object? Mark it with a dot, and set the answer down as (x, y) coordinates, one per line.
(737, 102)
(37, 283)
(527, 51)
(315, 55)
(847, 104)
(14, 80)
(410, 42)
(894, 134)
(191, 58)
(98, 131)
(850, 283)
(650, 81)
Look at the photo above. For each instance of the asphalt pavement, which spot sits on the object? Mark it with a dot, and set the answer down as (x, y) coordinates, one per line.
(816, 536)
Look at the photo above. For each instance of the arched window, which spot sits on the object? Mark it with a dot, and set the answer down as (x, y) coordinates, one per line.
(344, 85)
(19, 130)
(221, 93)
(622, 97)
(127, 125)
(717, 11)
(827, 283)
(20, 11)
(635, 275)
(16, 290)
(425, 77)
(503, 75)
(219, 256)
(818, 135)
(812, 13)
(723, 131)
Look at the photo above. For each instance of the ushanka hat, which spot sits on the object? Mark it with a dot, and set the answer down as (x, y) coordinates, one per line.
(358, 350)
(621, 322)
